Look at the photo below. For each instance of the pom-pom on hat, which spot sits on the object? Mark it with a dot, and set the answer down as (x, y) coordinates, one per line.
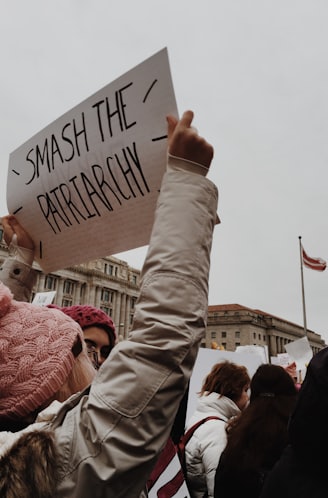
(36, 354)
(89, 316)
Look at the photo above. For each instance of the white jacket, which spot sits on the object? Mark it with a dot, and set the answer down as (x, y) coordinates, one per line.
(204, 449)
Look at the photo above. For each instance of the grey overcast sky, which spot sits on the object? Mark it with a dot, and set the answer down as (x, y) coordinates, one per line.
(254, 71)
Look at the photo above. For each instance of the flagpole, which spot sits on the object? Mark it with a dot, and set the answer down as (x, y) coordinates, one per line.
(303, 294)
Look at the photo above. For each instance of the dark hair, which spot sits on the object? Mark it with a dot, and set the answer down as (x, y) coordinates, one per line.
(226, 379)
(257, 437)
(308, 429)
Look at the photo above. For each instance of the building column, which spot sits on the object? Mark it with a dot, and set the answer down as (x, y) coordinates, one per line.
(122, 322)
(273, 345)
(59, 290)
(91, 294)
(77, 293)
(41, 282)
(127, 313)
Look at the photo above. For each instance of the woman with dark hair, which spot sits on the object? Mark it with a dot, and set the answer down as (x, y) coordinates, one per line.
(302, 468)
(258, 436)
(224, 394)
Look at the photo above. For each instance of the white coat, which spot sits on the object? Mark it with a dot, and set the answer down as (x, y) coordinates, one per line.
(204, 449)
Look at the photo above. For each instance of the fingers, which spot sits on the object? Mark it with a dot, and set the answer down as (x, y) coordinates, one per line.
(11, 227)
(184, 141)
(186, 120)
(171, 125)
(8, 231)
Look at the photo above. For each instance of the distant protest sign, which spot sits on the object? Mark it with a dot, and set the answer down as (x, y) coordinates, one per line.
(300, 351)
(206, 359)
(86, 186)
(44, 298)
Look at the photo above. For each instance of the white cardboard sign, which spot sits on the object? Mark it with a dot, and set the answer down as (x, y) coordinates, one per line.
(164, 486)
(300, 351)
(86, 186)
(206, 359)
(44, 298)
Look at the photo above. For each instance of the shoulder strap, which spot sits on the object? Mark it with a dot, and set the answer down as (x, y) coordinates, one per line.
(185, 438)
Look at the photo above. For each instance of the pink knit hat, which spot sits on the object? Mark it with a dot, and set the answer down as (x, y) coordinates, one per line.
(35, 354)
(89, 316)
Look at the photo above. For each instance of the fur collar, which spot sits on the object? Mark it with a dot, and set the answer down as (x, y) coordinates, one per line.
(29, 468)
(28, 459)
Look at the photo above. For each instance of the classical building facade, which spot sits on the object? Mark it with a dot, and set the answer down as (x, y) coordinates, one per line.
(232, 325)
(112, 285)
(108, 283)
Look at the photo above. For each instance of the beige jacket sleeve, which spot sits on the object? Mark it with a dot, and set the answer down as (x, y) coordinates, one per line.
(109, 441)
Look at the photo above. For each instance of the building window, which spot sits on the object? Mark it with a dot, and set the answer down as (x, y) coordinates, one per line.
(134, 279)
(254, 335)
(109, 269)
(68, 287)
(213, 335)
(131, 319)
(50, 282)
(106, 310)
(67, 302)
(260, 338)
(223, 334)
(237, 344)
(237, 334)
(106, 295)
(133, 302)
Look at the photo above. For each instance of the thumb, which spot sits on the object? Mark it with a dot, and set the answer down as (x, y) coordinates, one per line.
(171, 125)
(8, 234)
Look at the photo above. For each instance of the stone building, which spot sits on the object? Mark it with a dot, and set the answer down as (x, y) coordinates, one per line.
(107, 283)
(232, 325)
(112, 285)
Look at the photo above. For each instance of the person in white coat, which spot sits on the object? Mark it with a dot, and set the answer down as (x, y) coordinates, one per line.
(224, 395)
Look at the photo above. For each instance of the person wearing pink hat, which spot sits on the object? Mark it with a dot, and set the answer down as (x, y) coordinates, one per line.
(104, 440)
(98, 328)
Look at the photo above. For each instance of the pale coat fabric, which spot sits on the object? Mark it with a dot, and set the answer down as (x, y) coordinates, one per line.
(204, 449)
(109, 437)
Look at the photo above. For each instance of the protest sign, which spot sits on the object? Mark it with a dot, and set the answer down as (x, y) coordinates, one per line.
(282, 359)
(301, 352)
(44, 298)
(206, 359)
(169, 481)
(86, 186)
(255, 349)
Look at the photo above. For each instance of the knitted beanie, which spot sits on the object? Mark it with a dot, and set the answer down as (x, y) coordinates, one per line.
(35, 354)
(89, 316)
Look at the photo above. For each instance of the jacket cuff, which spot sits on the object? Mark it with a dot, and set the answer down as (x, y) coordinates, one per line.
(175, 163)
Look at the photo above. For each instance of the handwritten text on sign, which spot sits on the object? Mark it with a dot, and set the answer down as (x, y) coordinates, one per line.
(86, 186)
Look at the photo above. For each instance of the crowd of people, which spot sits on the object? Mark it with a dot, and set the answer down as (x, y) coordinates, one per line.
(82, 414)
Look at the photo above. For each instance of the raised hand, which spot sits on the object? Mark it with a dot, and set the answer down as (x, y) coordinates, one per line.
(184, 141)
